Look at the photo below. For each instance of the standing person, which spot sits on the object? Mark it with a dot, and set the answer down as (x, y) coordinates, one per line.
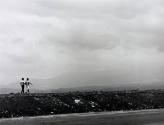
(22, 83)
(28, 83)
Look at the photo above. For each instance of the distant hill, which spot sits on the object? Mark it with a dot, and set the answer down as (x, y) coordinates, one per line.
(86, 88)
(8, 90)
(98, 79)
(87, 81)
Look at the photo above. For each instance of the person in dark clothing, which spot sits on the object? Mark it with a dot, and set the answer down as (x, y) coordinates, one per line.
(22, 83)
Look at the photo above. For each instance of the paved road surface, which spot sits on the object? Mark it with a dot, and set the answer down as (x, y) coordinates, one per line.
(142, 117)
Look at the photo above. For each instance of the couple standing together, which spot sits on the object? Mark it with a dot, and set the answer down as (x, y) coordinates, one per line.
(26, 83)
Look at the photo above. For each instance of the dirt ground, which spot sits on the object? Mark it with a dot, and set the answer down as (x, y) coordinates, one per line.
(142, 117)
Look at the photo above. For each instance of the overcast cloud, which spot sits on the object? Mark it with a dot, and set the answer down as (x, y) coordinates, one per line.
(49, 38)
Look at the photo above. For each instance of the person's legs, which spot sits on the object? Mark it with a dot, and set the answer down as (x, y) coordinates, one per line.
(28, 89)
(22, 88)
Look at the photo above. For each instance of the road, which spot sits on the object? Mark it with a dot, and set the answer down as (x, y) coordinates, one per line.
(140, 117)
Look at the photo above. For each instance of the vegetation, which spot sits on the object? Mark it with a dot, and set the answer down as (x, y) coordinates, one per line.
(15, 105)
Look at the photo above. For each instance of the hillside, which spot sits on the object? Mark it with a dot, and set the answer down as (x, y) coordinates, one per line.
(14, 105)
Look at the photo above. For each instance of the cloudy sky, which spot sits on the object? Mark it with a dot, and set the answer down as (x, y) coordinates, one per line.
(51, 38)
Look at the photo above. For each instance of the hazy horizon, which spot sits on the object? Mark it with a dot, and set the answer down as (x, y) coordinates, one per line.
(87, 42)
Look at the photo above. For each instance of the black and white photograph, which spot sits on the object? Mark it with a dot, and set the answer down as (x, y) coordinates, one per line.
(81, 62)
